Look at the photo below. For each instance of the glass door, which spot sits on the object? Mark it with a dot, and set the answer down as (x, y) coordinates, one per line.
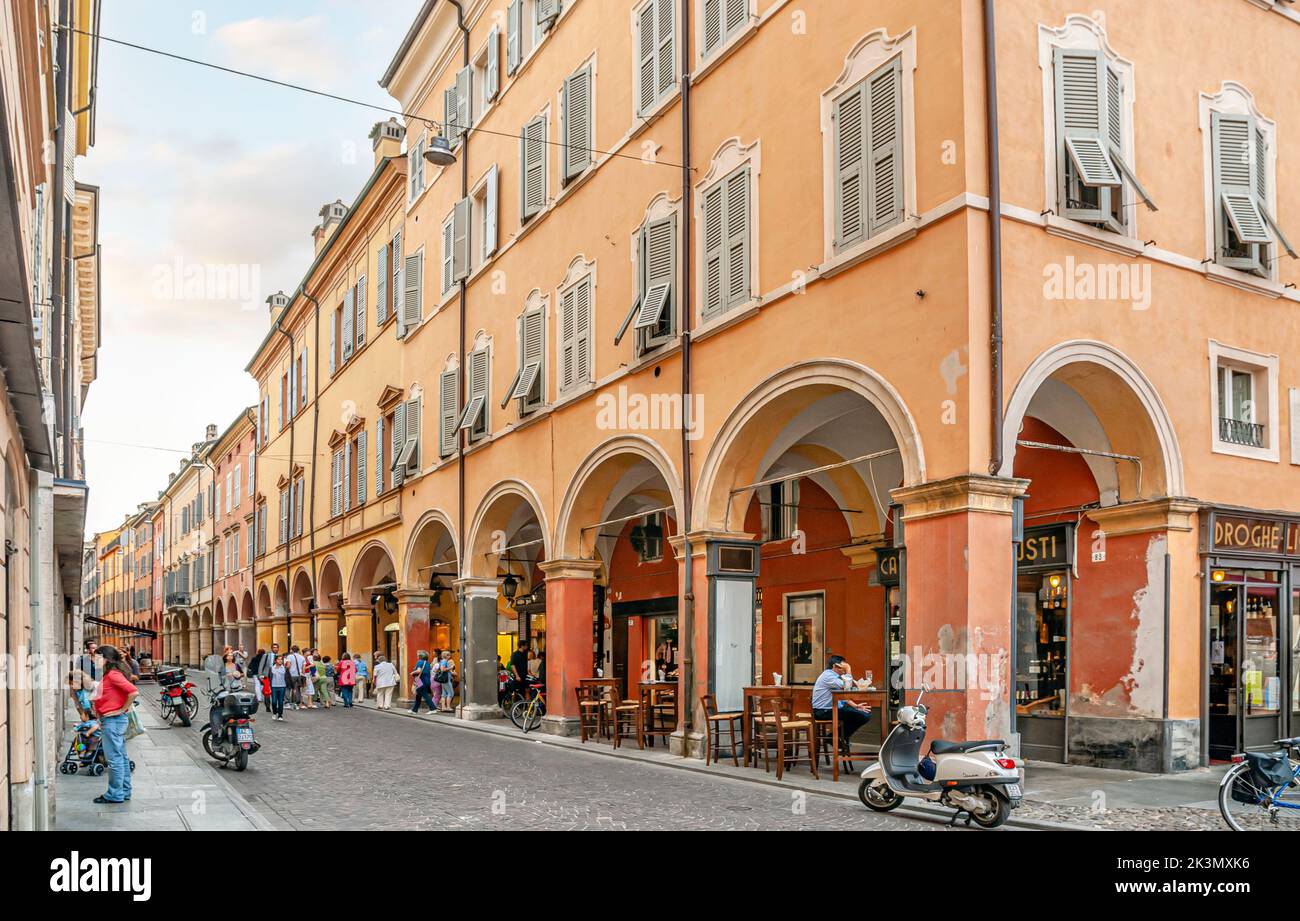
(805, 625)
(1225, 605)
(1261, 680)
(1294, 641)
(1042, 663)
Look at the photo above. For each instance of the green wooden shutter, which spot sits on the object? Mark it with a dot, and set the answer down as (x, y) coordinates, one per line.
(450, 126)
(647, 63)
(414, 413)
(448, 257)
(738, 238)
(361, 467)
(398, 282)
(399, 441)
(665, 36)
(514, 35)
(533, 167)
(1083, 133)
(1236, 188)
(447, 398)
(712, 24)
(361, 311)
(849, 129)
(886, 133)
(582, 309)
(349, 315)
(460, 262)
(567, 326)
(381, 285)
(336, 483)
(657, 304)
(490, 197)
(347, 476)
(379, 456)
(412, 302)
(576, 123)
(737, 14)
(713, 249)
(492, 72)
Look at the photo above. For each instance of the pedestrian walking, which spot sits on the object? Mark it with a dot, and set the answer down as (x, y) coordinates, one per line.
(324, 677)
(297, 665)
(86, 661)
(309, 681)
(263, 672)
(347, 678)
(363, 675)
(423, 679)
(116, 695)
(385, 682)
(231, 671)
(444, 676)
(279, 678)
(435, 689)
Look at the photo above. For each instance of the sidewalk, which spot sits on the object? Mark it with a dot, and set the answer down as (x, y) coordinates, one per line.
(174, 787)
(1058, 797)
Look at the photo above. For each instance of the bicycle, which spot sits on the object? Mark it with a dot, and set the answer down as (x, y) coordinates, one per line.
(527, 714)
(1262, 792)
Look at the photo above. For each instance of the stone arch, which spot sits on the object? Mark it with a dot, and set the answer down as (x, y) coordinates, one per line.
(265, 610)
(280, 598)
(1117, 410)
(302, 598)
(375, 565)
(329, 583)
(809, 415)
(622, 476)
(513, 508)
(432, 541)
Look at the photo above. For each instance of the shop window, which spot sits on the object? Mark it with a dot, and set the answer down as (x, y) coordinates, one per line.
(805, 630)
(1041, 643)
(1244, 389)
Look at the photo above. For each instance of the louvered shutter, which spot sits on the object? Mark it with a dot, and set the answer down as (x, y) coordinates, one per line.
(533, 167)
(1235, 174)
(361, 310)
(886, 134)
(252, 542)
(334, 324)
(547, 9)
(414, 412)
(492, 72)
(252, 472)
(361, 467)
(712, 24)
(450, 127)
(381, 285)
(490, 213)
(478, 364)
(460, 260)
(464, 95)
(447, 408)
(69, 157)
(849, 124)
(300, 493)
(647, 63)
(659, 274)
(530, 384)
(347, 476)
(567, 325)
(737, 13)
(448, 254)
(665, 36)
(713, 249)
(284, 516)
(399, 284)
(399, 440)
(349, 316)
(1082, 117)
(514, 35)
(379, 457)
(336, 484)
(576, 123)
(412, 302)
(302, 380)
(738, 239)
(582, 332)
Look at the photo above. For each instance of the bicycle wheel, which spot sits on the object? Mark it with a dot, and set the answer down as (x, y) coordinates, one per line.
(526, 716)
(1269, 810)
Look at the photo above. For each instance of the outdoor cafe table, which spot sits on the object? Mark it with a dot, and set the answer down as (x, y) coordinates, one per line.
(650, 691)
(875, 699)
(799, 695)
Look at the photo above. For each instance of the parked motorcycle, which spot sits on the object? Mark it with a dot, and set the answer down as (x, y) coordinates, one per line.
(976, 778)
(228, 737)
(178, 699)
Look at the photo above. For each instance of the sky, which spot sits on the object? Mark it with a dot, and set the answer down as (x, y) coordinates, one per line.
(200, 171)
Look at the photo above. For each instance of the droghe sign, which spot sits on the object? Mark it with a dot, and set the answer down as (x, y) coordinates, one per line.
(1256, 535)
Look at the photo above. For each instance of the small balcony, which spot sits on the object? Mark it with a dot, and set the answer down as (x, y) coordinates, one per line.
(1236, 432)
(178, 599)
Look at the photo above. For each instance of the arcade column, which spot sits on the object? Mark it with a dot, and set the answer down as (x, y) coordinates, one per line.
(478, 666)
(413, 619)
(327, 631)
(958, 538)
(360, 622)
(300, 629)
(570, 598)
(193, 654)
(278, 628)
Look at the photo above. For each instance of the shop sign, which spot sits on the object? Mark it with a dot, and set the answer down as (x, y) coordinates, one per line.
(888, 571)
(1047, 547)
(1239, 534)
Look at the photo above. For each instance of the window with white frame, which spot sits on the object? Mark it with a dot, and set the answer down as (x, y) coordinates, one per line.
(484, 210)
(1246, 233)
(415, 168)
(529, 384)
(486, 79)
(653, 317)
(656, 62)
(576, 310)
(721, 19)
(1245, 402)
(475, 420)
(727, 242)
(527, 22)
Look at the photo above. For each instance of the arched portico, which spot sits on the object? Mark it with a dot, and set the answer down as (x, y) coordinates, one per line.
(432, 568)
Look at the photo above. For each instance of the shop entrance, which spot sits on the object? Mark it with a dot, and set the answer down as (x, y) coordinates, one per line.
(645, 642)
(1043, 641)
(1245, 624)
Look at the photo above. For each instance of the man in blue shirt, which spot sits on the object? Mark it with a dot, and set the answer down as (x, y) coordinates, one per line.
(853, 716)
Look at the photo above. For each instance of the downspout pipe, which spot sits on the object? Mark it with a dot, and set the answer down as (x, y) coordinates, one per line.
(61, 237)
(995, 238)
(279, 328)
(686, 713)
(310, 499)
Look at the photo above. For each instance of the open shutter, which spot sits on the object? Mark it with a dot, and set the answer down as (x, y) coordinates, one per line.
(531, 352)
(533, 173)
(713, 249)
(582, 331)
(886, 133)
(361, 467)
(475, 417)
(450, 126)
(349, 316)
(334, 335)
(575, 118)
(447, 383)
(566, 339)
(460, 262)
(665, 36)
(464, 95)
(381, 285)
(490, 212)
(647, 63)
(412, 302)
(414, 414)
(336, 484)
(640, 287)
(399, 441)
(1082, 117)
(1236, 182)
(379, 456)
(660, 265)
(849, 124)
(737, 220)
(302, 379)
(448, 253)
(712, 24)
(347, 476)
(547, 9)
(361, 311)
(514, 35)
(492, 73)
(399, 284)
(300, 488)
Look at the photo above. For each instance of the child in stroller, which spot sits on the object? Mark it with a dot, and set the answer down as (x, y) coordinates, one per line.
(86, 750)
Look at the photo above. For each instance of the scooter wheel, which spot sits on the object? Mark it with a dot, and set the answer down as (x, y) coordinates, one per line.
(878, 797)
(999, 815)
(241, 760)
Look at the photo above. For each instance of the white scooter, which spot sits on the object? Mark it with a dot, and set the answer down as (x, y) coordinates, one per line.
(976, 778)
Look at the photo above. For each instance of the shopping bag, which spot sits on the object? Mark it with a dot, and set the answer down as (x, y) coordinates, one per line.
(133, 726)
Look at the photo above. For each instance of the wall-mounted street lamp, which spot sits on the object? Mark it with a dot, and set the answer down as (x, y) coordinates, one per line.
(439, 152)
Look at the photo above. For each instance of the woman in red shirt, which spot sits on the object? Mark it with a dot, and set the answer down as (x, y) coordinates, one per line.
(112, 702)
(347, 678)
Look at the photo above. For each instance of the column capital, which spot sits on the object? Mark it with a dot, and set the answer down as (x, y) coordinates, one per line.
(474, 587)
(1169, 514)
(967, 493)
(413, 596)
(701, 538)
(862, 555)
(327, 611)
(352, 609)
(570, 569)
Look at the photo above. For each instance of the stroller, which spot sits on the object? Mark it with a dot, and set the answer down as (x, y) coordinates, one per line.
(86, 751)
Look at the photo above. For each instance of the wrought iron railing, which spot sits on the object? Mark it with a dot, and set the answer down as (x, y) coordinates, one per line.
(1236, 432)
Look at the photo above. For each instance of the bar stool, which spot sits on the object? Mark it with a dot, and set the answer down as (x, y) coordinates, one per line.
(824, 735)
(626, 715)
(593, 707)
(715, 721)
(788, 733)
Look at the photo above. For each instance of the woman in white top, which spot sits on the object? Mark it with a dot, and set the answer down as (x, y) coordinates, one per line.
(385, 682)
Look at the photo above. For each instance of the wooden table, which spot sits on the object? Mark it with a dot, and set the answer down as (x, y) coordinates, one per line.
(877, 699)
(797, 696)
(650, 690)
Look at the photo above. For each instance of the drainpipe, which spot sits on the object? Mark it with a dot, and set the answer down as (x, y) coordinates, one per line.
(686, 713)
(995, 236)
(309, 500)
(279, 328)
(59, 275)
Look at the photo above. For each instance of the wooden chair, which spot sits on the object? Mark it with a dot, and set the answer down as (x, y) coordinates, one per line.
(787, 736)
(626, 715)
(759, 720)
(715, 722)
(823, 734)
(593, 710)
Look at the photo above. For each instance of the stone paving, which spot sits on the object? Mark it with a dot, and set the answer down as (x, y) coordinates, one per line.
(358, 769)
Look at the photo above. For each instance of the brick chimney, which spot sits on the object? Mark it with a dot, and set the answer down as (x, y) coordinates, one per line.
(277, 303)
(331, 216)
(386, 138)
(210, 433)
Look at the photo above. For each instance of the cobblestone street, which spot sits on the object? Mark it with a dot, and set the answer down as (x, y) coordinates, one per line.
(358, 769)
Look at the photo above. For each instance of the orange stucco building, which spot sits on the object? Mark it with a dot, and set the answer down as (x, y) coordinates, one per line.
(677, 338)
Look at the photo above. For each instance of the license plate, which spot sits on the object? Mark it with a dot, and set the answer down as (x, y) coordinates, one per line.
(243, 735)
(1013, 790)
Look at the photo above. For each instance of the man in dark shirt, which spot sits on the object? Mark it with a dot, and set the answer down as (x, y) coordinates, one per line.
(519, 670)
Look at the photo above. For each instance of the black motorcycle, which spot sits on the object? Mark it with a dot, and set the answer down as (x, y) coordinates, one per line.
(228, 737)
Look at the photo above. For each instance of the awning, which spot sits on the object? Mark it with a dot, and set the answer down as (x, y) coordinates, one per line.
(69, 526)
(124, 629)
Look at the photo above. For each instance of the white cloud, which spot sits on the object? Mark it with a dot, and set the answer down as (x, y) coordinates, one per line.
(299, 50)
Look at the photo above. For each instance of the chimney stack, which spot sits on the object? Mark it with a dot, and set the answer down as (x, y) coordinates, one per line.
(210, 433)
(331, 216)
(277, 303)
(386, 138)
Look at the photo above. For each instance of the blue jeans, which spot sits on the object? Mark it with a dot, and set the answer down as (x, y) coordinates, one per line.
(423, 694)
(277, 701)
(119, 766)
(345, 690)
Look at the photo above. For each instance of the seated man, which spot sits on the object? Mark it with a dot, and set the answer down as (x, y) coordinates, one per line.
(853, 716)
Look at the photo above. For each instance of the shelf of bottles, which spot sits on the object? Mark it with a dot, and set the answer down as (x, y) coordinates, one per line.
(1042, 645)
(894, 622)
(1261, 685)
